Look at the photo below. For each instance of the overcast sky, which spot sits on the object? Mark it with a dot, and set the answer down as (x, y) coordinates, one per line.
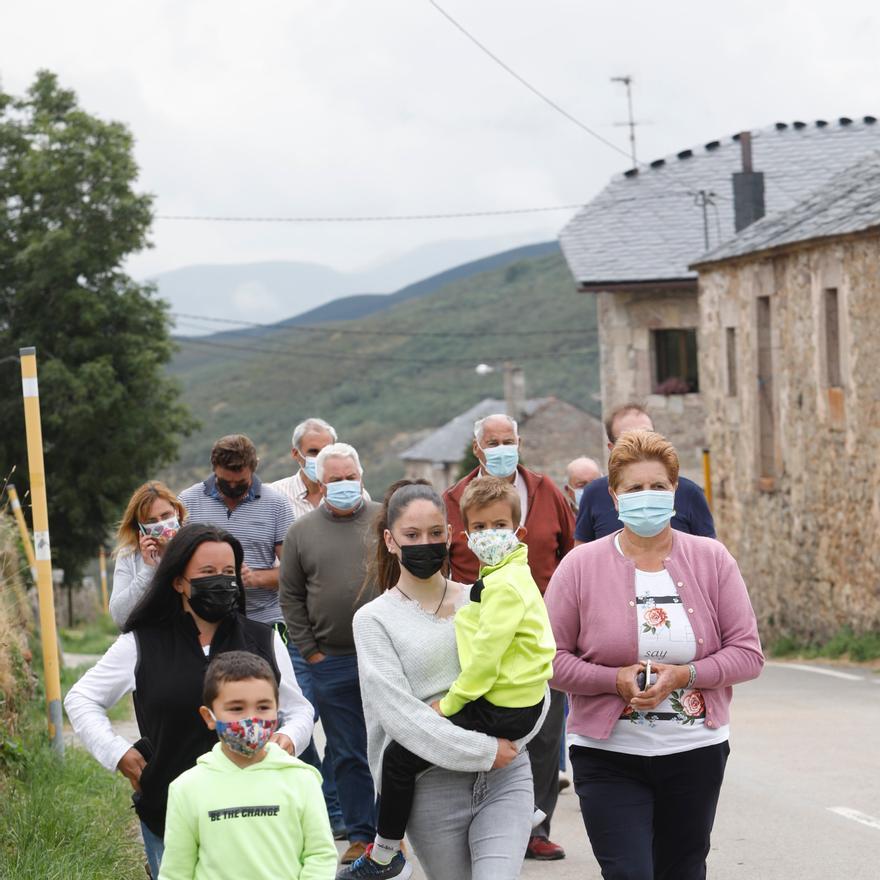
(329, 107)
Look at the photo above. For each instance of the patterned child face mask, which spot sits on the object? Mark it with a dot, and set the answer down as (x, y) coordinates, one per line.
(164, 530)
(491, 545)
(246, 736)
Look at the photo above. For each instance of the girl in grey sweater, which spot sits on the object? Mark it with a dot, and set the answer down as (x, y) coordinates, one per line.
(472, 814)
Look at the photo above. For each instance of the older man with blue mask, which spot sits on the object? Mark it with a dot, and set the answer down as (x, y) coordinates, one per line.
(323, 567)
(549, 534)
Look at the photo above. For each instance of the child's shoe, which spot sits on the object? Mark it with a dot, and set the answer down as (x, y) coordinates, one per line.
(366, 869)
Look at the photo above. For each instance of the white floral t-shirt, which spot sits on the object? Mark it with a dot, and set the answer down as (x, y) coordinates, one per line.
(665, 636)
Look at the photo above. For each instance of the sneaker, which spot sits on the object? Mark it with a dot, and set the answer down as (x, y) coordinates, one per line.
(364, 868)
(544, 850)
(354, 852)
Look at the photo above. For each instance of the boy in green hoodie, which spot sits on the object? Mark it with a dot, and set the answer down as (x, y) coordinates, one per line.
(506, 650)
(247, 809)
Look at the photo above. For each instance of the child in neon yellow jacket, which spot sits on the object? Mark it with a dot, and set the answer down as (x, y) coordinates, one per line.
(506, 650)
(248, 808)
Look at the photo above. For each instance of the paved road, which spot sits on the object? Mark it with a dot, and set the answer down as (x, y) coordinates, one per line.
(802, 743)
(802, 794)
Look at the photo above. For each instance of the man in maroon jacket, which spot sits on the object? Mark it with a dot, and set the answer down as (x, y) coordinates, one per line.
(549, 525)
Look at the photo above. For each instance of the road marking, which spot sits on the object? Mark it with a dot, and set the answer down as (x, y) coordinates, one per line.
(847, 676)
(856, 816)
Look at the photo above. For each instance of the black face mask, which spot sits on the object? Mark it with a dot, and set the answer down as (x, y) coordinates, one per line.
(423, 560)
(214, 597)
(232, 490)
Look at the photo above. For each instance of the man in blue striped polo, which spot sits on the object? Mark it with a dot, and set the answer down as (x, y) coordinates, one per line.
(234, 498)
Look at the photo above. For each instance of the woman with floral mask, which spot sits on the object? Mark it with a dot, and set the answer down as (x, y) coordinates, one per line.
(192, 610)
(153, 516)
(653, 628)
(472, 810)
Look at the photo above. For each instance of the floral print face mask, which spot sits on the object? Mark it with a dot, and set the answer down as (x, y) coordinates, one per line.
(164, 530)
(246, 736)
(491, 545)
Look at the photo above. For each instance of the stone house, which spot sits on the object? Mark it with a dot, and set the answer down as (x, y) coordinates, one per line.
(789, 326)
(552, 432)
(633, 245)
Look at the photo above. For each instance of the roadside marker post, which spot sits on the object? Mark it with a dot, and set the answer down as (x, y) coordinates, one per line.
(102, 565)
(707, 476)
(22, 529)
(42, 550)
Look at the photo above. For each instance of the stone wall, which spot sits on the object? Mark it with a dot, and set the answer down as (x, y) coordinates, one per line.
(806, 529)
(627, 365)
(557, 433)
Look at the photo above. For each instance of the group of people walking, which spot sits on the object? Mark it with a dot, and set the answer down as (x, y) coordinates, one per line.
(441, 641)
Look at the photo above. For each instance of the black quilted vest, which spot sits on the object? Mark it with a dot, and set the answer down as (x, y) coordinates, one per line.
(168, 692)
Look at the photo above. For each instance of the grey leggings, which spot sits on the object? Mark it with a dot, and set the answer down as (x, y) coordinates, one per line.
(473, 826)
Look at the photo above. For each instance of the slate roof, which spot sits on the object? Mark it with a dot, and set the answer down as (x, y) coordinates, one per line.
(849, 202)
(447, 443)
(647, 226)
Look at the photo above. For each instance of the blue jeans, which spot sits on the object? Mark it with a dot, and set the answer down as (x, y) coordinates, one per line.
(338, 698)
(154, 848)
(303, 670)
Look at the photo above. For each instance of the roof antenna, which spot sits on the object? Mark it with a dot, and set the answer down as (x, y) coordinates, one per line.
(628, 81)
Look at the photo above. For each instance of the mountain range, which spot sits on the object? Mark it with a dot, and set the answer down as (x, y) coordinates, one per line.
(387, 370)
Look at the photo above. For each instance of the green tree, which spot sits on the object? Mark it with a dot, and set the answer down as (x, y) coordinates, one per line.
(69, 217)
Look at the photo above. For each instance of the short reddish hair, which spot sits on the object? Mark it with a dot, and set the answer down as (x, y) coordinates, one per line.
(634, 446)
(484, 491)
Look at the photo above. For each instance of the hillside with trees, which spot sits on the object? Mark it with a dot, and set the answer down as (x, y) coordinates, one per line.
(384, 379)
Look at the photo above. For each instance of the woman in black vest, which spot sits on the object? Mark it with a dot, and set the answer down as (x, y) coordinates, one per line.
(193, 610)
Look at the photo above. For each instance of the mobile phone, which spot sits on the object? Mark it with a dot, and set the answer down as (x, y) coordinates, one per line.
(643, 679)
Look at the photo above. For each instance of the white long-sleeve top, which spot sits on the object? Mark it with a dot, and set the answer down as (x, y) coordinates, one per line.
(131, 577)
(406, 659)
(112, 677)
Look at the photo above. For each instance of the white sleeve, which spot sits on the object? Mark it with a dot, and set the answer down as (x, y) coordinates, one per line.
(295, 713)
(87, 702)
(129, 585)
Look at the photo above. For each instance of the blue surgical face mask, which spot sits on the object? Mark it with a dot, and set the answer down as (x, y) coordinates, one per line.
(578, 494)
(646, 513)
(344, 494)
(311, 468)
(501, 461)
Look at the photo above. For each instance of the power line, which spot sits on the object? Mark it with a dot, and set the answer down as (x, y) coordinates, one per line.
(547, 100)
(370, 218)
(375, 358)
(323, 328)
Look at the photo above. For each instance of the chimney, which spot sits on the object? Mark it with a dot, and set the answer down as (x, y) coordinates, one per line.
(748, 188)
(514, 391)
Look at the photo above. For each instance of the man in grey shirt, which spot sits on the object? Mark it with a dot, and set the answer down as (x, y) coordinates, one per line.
(322, 573)
(235, 499)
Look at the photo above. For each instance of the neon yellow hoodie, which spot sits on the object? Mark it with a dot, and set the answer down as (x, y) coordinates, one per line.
(505, 644)
(263, 822)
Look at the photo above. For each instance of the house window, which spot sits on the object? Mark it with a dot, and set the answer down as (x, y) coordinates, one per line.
(731, 361)
(832, 340)
(766, 414)
(675, 362)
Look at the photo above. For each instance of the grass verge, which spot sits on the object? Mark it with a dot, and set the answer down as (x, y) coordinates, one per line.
(63, 820)
(91, 638)
(845, 645)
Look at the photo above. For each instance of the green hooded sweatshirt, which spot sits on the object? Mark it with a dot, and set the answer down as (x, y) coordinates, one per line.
(505, 644)
(263, 822)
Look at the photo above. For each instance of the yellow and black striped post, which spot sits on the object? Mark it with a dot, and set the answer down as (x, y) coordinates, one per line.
(42, 550)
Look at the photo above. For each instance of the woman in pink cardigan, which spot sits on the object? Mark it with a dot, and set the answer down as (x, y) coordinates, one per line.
(648, 756)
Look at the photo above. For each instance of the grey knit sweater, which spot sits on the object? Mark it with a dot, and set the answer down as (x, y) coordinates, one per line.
(406, 659)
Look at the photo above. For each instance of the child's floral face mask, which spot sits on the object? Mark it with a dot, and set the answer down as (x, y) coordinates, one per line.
(246, 736)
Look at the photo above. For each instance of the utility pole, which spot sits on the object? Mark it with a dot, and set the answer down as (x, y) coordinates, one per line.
(628, 81)
(42, 552)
